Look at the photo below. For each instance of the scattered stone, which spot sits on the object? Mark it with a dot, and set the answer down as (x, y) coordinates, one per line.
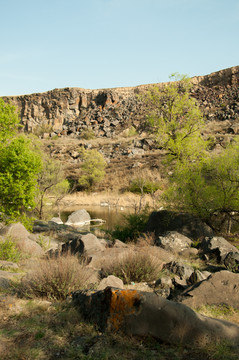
(141, 313)
(173, 241)
(57, 220)
(91, 244)
(112, 281)
(178, 268)
(197, 276)
(78, 218)
(231, 262)
(217, 247)
(19, 234)
(219, 288)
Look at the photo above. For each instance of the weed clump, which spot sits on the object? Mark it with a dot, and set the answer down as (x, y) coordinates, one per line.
(9, 251)
(133, 267)
(55, 278)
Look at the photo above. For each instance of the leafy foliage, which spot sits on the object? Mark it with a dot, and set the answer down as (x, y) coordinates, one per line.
(208, 187)
(142, 186)
(133, 227)
(19, 166)
(9, 251)
(9, 121)
(92, 168)
(175, 118)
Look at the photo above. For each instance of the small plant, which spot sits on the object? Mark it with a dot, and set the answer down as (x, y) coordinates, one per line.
(131, 131)
(9, 251)
(134, 267)
(143, 186)
(133, 227)
(55, 278)
(44, 243)
(87, 134)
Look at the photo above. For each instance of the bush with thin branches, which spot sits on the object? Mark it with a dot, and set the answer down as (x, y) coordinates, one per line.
(133, 267)
(55, 278)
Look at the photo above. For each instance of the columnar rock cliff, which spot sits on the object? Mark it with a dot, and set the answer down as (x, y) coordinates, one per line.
(106, 112)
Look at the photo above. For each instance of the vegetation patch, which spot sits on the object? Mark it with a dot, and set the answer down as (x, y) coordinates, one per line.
(54, 278)
(9, 251)
(133, 267)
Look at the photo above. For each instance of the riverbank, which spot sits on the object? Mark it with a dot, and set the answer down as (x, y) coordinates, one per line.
(108, 199)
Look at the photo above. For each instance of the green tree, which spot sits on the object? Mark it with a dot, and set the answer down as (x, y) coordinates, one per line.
(51, 181)
(175, 118)
(19, 166)
(208, 187)
(9, 121)
(92, 168)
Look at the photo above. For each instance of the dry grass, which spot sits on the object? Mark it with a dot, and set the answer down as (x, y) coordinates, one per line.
(223, 312)
(55, 278)
(114, 199)
(135, 266)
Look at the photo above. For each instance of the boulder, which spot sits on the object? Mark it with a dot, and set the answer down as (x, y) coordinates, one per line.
(217, 247)
(219, 288)
(19, 234)
(15, 231)
(178, 268)
(112, 281)
(174, 241)
(57, 220)
(143, 314)
(91, 243)
(231, 262)
(160, 222)
(75, 247)
(78, 218)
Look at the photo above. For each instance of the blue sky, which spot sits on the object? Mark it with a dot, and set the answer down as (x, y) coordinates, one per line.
(47, 44)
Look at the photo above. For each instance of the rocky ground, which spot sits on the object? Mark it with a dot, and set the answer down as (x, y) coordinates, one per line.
(196, 269)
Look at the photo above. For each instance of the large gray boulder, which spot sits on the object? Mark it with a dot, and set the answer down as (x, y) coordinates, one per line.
(19, 234)
(219, 288)
(146, 314)
(163, 221)
(78, 218)
(217, 247)
(174, 241)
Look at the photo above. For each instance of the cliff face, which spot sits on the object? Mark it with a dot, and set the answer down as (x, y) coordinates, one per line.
(69, 111)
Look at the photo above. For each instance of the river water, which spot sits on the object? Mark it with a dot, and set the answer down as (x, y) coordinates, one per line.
(111, 215)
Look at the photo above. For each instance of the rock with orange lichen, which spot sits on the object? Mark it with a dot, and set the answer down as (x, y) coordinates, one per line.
(147, 314)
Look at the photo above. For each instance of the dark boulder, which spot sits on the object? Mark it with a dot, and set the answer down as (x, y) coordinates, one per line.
(160, 222)
(231, 261)
(143, 314)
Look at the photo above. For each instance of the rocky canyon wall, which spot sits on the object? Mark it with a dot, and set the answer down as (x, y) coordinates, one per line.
(106, 112)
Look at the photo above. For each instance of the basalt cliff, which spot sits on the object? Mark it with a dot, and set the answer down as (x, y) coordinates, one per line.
(106, 119)
(68, 111)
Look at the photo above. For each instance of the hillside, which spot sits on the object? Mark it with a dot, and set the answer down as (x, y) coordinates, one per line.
(65, 118)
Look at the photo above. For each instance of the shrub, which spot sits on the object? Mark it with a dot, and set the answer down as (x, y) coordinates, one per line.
(92, 168)
(87, 134)
(133, 227)
(143, 186)
(9, 251)
(55, 278)
(134, 267)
